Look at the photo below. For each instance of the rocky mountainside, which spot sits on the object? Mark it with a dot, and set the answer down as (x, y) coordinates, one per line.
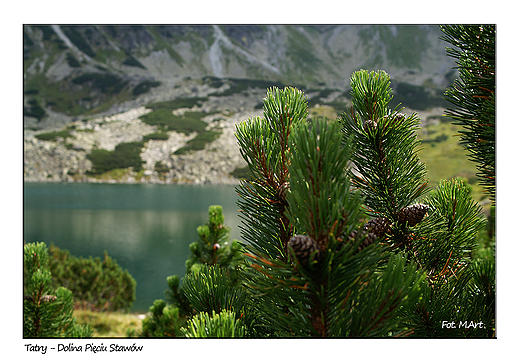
(93, 95)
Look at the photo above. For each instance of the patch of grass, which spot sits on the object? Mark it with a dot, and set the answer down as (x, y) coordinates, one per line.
(114, 174)
(323, 111)
(110, 325)
(446, 158)
(437, 139)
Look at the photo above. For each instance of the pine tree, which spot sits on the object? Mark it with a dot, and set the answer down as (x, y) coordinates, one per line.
(47, 311)
(208, 286)
(316, 266)
(307, 276)
(342, 235)
(473, 95)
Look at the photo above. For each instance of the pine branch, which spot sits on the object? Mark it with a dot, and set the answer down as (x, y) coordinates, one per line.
(449, 233)
(473, 95)
(264, 143)
(386, 165)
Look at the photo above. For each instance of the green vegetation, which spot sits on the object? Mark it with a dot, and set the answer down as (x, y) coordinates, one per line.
(109, 324)
(144, 87)
(132, 62)
(87, 98)
(444, 157)
(125, 155)
(161, 168)
(188, 102)
(223, 324)
(241, 85)
(104, 82)
(47, 309)
(211, 253)
(72, 61)
(97, 285)
(298, 51)
(473, 95)
(417, 97)
(75, 37)
(34, 109)
(199, 142)
(161, 43)
(186, 124)
(319, 237)
(156, 136)
(241, 172)
(52, 135)
(404, 44)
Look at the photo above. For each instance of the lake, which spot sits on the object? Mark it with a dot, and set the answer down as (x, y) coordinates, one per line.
(146, 228)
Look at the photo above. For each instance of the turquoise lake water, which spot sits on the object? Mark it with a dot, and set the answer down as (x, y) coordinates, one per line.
(146, 228)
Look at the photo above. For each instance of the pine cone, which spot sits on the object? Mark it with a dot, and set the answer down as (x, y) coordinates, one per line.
(303, 247)
(369, 238)
(412, 214)
(367, 241)
(378, 226)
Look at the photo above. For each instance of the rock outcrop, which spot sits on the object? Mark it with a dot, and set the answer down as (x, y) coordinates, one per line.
(65, 159)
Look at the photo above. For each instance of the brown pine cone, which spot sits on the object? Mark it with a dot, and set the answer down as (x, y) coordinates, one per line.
(368, 239)
(378, 226)
(412, 214)
(303, 247)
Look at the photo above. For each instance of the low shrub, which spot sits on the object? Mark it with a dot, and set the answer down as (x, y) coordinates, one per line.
(186, 124)
(34, 110)
(144, 87)
(199, 142)
(156, 136)
(47, 309)
(105, 82)
(97, 285)
(51, 136)
(125, 155)
(241, 173)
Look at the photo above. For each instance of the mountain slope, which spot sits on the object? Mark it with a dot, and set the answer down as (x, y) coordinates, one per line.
(159, 103)
(71, 71)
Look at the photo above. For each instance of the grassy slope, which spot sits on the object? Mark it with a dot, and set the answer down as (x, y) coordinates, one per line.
(447, 159)
(110, 325)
